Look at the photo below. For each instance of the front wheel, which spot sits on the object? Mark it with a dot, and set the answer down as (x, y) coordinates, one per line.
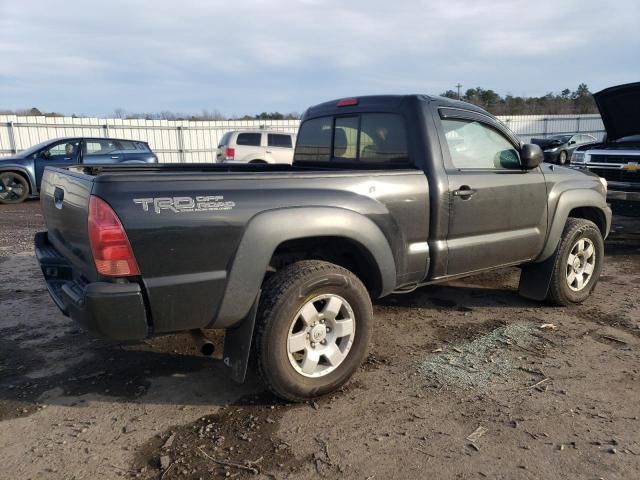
(13, 188)
(313, 329)
(562, 158)
(578, 262)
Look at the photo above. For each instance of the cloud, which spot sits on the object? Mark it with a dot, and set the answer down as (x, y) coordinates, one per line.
(249, 56)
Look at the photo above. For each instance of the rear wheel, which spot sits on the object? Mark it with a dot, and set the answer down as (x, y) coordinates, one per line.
(14, 188)
(578, 262)
(313, 329)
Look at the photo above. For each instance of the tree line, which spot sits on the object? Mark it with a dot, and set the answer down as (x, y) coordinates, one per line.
(566, 102)
(204, 115)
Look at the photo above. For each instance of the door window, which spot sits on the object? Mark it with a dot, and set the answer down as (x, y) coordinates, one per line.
(473, 145)
(100, 147)
(249, 139)
(125, 145)
(67, 149)
(279, 140)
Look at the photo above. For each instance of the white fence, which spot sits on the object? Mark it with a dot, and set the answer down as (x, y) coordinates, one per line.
(194, 141)
(529, 126)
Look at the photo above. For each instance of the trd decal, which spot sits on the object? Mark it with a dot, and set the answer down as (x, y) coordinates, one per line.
(184, 204)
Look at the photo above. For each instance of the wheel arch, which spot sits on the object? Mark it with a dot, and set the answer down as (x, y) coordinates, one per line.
(340, 250)
(265, 241)
(579, 203)
(23, 172)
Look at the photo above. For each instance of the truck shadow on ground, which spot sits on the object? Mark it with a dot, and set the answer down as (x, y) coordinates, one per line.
(459, 298)
(142, 373)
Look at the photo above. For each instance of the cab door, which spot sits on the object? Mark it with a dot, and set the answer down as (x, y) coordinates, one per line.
(58, 154)
(497, 210)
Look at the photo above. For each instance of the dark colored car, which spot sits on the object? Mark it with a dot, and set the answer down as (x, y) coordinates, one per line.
(617, 157)
(385, 194)
(559, 148)
(21, 174)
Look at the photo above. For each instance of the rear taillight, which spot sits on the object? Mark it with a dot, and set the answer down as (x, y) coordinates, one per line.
(109, 243)
(230, 154)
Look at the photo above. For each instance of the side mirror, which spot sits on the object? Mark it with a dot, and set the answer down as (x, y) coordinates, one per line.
(572, 142)
(531, 156)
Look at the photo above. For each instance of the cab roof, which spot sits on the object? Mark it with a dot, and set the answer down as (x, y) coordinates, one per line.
(387, 103)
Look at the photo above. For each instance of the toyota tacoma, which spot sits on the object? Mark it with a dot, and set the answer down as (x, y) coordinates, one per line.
(385, 194)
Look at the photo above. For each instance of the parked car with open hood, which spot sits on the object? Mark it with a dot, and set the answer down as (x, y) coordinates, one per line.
(617, 157)
(21, 174)
(559, 148)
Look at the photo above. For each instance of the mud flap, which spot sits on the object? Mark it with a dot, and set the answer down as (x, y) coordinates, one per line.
(237, 344)
(535, 279)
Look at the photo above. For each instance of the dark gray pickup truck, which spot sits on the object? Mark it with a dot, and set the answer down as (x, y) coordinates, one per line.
(386, 194)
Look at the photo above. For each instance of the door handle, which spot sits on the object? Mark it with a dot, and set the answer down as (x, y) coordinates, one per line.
(269, 151)
(465, 192)
(115, 157)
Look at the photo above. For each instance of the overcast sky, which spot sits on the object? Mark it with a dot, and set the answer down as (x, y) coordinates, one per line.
(91, 57)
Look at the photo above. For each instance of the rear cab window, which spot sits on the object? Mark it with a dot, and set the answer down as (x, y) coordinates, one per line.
(359, 140)
(249, 139)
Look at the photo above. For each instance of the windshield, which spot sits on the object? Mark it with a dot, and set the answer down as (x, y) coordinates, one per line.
(31, 150)
(561, 138)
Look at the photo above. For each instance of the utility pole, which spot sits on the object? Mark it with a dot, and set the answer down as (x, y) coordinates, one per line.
(458, 86)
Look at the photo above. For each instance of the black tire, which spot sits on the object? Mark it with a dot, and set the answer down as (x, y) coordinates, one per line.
(563, 157)
(14, 188)
(257, 161)
(560, 293)
(283, 295)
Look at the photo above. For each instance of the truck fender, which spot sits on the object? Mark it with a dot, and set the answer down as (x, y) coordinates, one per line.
(267, 230)
(535, 278)
(567, 201)
(25, 173)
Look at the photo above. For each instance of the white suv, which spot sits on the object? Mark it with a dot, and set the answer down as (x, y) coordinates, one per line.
(256, 146)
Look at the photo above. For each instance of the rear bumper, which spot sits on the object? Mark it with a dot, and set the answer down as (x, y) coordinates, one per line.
(112, 310)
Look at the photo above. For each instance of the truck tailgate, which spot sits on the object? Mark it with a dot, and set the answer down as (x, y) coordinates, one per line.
(64, 198)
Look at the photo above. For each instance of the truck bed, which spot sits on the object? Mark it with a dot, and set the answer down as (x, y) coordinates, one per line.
(185, 224)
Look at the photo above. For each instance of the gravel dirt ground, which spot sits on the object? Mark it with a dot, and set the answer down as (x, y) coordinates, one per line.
(464, 380)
